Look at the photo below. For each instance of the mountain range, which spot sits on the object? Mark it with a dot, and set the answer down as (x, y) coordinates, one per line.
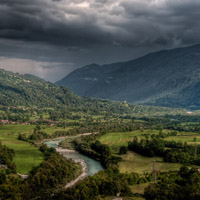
(28, 91)
(166, 78)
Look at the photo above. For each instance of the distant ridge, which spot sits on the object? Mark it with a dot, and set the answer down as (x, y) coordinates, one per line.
(165, 78)
(28, 91)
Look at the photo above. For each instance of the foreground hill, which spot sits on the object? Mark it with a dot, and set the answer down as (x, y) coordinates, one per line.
(28, 90)
(165, 78)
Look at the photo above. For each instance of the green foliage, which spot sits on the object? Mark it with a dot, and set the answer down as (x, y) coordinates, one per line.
(27, 155)
(2, 177)
(171, 151)
(27, 98)
(97, 151)
(107, 182)
(177, 186)
(43, 181)
(19, 93)
(28, 90)
(11, 188)
(6, 156)
(150, 148)
(123, 150)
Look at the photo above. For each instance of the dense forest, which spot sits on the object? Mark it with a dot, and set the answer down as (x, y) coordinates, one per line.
(171, 151)
(6, 158)
(177, 186)
(107, 182)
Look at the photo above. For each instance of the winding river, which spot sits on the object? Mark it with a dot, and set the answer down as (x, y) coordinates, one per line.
(90, 166)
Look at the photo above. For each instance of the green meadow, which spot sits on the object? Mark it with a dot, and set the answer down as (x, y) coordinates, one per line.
(139, 189)
(133, 162)
(51, 130)
(190, 138)
(118, 139)
(27, 156)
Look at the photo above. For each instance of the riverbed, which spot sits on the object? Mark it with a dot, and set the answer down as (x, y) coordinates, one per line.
(91, 166)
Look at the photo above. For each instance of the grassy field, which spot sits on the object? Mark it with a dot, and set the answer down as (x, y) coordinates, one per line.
(115, 140)
(133, 162)
(35, 116)
(51, 130)
(118, 139)
(139, 189)
(26, 155)
(186, 137)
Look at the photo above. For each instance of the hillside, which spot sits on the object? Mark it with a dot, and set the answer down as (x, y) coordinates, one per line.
(165, 78)
(31, 91)
(28, 90)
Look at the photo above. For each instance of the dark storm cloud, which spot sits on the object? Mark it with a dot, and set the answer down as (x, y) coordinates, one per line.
(55, 22)
(61, 35)
(164, 21)
(87, 22)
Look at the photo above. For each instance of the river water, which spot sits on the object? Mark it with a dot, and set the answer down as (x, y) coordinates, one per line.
(93, 166)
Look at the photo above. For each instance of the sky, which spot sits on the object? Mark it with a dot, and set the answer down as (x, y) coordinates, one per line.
(51, 38)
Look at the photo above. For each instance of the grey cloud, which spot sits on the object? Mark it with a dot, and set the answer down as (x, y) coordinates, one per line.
(164, 21)
(87, 22)
(102, 31)
(50, 22)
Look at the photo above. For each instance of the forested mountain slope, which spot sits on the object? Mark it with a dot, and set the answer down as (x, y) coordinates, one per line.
(31, 91)
(165, 78)
(28, 90)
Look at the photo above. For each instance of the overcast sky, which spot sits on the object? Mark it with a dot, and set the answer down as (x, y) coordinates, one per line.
(50, 38)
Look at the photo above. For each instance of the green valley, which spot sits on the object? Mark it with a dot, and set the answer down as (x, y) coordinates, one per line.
(129, 144)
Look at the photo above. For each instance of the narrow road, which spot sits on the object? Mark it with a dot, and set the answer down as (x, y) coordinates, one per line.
(23, 176)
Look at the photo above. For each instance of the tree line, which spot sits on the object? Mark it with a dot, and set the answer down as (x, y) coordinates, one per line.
(171, 151)
(181, 185)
